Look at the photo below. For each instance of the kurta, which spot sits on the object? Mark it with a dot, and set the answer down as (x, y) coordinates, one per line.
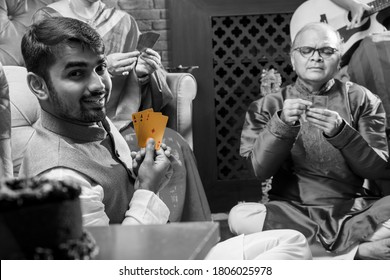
(317, 180)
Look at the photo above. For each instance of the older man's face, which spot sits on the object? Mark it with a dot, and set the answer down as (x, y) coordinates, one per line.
(315, 69)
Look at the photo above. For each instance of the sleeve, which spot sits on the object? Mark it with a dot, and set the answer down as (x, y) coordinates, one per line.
(365, 148)
(265, 140)
(144, 208)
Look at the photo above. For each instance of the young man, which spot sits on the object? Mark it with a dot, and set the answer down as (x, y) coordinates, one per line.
(319, 138)
(74, 140)
(138, 82)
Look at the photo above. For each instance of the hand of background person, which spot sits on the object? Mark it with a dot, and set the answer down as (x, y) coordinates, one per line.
(119, 64)
(148, 62)
(356, 8)
(293, 110)
(152, 166)
(328, 121)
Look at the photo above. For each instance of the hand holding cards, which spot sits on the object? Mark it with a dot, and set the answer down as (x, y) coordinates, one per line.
(315, 101)
(149, 124)
(147, 40)
(319, 101)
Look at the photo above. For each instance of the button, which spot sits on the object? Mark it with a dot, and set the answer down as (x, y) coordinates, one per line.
(10, 17)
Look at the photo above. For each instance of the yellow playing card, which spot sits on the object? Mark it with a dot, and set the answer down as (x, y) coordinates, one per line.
(138, 119)
(153, 126)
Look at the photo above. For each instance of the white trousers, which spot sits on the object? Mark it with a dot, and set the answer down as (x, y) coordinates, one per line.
(248, 218)
(269, 245)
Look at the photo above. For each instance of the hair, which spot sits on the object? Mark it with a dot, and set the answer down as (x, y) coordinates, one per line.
(314, 26)
(44, 41)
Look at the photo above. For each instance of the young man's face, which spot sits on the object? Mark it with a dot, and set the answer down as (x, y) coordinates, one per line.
(79, 85)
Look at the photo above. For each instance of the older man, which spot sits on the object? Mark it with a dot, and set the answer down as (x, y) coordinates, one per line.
(319, 139)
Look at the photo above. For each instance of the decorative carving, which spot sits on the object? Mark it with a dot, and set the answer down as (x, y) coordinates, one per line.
(242, 47)
(270, 81)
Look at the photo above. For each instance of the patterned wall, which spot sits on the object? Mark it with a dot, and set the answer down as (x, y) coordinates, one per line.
(242, 47)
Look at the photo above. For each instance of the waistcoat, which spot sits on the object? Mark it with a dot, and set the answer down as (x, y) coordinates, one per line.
(98, 152)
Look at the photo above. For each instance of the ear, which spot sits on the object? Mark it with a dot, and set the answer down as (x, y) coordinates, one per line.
(38, 86)
(292, 61)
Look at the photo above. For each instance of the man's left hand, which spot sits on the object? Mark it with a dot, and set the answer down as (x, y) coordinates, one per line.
(138, 157)
(147, 63)
(328, 121)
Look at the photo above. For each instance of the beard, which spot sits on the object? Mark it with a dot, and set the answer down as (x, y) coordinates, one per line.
(85, 115)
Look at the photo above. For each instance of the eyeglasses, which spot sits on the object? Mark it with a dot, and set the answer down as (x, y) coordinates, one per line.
(324, 52)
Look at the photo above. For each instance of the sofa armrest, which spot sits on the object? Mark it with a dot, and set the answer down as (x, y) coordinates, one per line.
(25, 111)
(179, 109)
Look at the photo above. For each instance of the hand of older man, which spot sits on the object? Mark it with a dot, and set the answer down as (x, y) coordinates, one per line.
(328, 121)
(293, 110)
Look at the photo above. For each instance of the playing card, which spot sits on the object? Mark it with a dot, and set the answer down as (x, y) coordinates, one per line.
(319, 101)
(138, 118)
(147, 40)
(153, 126)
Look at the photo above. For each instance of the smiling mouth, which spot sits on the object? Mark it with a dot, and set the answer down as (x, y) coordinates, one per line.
(95, 100)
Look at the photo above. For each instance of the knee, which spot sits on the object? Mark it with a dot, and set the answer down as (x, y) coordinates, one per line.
(246, 218)
(296, 241)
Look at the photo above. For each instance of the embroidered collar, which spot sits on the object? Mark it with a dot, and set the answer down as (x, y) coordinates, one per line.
(72, 130)
(301, 88)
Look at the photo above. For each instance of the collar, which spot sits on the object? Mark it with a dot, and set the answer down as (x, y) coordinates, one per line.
(71, 130)
(301, 88)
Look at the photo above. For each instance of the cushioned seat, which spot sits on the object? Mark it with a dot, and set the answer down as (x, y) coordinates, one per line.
(24, 112)
(15, 16)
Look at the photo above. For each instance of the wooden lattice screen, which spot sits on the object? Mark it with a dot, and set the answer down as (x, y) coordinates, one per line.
(242, 47)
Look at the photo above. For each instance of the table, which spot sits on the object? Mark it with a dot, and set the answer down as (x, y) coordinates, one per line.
(175, 241)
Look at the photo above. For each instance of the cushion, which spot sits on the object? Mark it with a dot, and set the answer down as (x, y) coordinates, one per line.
(25, 112)
(15, 16)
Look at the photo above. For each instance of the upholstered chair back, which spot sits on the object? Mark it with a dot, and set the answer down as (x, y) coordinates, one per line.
(15, 17)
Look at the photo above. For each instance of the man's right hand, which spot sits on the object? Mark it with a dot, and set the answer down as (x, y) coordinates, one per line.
(153, 170)
(119, 64)
(293, 109)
